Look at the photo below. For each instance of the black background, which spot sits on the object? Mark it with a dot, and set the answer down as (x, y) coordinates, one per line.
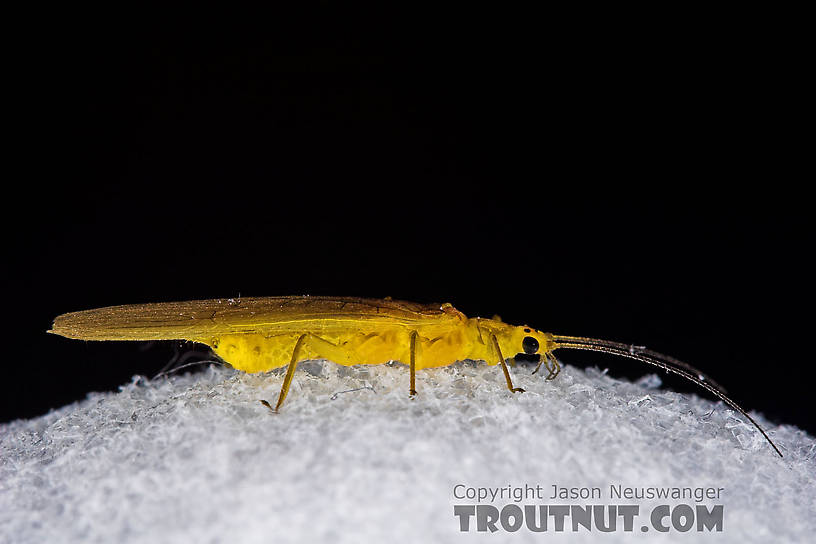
(639, 183)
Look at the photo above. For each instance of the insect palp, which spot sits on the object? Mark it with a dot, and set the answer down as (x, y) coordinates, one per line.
(552, 365)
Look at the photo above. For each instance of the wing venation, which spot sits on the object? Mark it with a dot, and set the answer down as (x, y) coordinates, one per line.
(203, 318)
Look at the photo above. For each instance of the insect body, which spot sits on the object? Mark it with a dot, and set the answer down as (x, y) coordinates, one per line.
(261, 334)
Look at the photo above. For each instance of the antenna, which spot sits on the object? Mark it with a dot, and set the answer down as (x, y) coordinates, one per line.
(669, 364)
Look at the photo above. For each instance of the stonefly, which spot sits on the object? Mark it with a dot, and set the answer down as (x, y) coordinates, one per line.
(261, 334)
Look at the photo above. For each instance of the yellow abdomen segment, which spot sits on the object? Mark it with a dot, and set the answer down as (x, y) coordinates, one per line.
(260, 353)
(254, 352)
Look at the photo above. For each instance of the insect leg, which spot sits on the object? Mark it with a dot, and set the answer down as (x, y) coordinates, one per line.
(319, 348)
(290, 372)
(412, 391)
(504, 366)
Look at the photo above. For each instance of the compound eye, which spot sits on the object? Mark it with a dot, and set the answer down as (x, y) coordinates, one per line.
(529, 345)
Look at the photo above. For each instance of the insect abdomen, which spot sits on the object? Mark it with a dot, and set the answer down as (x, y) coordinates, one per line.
(261, 353)
(254, 352)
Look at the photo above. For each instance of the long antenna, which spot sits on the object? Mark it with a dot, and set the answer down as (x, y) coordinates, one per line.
(669, 364)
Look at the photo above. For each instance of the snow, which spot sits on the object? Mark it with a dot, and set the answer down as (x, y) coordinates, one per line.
(197, 458)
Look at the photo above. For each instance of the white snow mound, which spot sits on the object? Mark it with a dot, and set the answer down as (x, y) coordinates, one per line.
(196, 458)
